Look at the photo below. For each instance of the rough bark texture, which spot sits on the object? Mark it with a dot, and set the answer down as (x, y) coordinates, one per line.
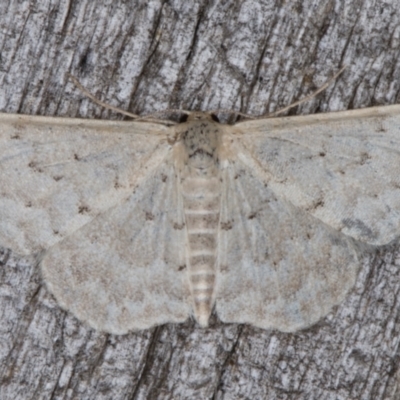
(254, 56)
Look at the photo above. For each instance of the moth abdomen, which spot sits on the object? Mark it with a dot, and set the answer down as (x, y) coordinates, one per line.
(201, 201)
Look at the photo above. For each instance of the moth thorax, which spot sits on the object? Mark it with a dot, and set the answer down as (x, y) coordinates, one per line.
(201, 141)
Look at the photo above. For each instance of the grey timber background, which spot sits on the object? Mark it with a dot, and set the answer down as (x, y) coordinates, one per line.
(254, 56)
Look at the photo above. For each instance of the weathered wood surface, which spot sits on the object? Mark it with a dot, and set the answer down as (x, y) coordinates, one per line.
(254, 56)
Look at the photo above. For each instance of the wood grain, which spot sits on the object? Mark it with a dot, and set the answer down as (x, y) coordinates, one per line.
(252, 56)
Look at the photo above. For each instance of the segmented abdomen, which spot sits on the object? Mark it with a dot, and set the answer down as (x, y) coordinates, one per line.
(201, 198)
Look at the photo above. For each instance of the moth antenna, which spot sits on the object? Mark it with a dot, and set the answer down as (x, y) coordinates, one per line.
(227, 111)
(296, 103)
(167, 110)
(97, 101)
(110, 107)
(274, 114)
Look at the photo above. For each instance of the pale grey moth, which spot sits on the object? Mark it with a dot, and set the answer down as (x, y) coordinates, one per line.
(137, 223)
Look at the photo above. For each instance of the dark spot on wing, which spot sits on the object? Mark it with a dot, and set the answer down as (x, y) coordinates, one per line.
(57, 178)
(164, 177)
(149, 216)
(182, 267)
(226, 226)
(252, 215)
(380, 127)
(364, 157)
(319, 203)
(16, 136)
(83, 209)
(322, 154)
(239, 174)
(178, 226)
(76, 157)
(35, 166)
(28, 204)
(282, 180)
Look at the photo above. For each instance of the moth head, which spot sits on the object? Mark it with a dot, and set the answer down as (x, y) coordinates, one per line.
(199, 116)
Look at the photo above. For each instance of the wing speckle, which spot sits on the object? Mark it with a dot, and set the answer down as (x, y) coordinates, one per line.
(83, 209)
(179, 226)
(34, 165)
(226, 226)
(364, 157)
(252, 215)
(149, 216)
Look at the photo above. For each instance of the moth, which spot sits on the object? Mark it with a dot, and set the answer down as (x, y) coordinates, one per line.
(137, 224)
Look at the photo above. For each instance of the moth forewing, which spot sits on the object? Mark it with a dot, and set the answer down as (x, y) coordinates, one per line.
(343, 168)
